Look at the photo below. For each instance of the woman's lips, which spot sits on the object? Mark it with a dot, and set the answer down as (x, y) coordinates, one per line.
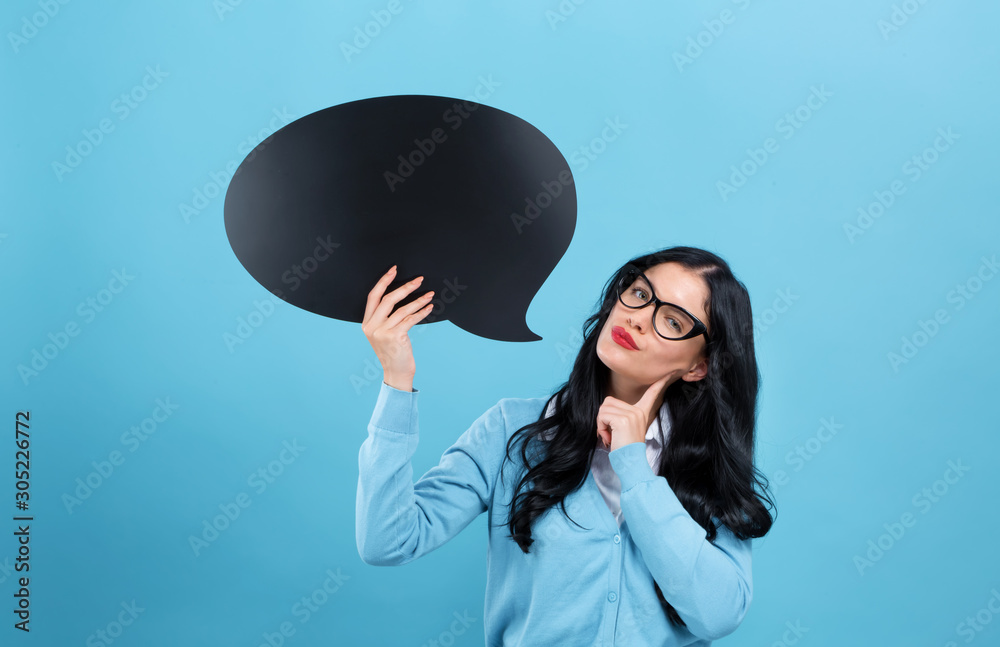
(623, 338)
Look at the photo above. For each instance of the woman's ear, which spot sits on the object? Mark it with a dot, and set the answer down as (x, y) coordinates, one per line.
(697, 372)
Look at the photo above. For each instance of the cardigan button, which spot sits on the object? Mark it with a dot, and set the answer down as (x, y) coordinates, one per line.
(618, 539)
(612, 597)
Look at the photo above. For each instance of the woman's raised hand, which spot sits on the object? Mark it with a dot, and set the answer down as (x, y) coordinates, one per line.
(620, 423)
(388, 334)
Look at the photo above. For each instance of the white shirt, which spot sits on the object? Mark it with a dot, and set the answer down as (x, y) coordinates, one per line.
(605, 476)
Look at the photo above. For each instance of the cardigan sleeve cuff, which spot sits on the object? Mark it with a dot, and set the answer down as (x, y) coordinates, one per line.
(395, 410)
(631, 465)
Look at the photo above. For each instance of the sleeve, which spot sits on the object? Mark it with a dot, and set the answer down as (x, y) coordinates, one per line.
(398, 520)
(708, 583)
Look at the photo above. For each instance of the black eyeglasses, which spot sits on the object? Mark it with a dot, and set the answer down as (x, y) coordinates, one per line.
(670, 321)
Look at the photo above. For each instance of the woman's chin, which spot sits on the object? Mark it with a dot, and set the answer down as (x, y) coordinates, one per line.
(611, 353)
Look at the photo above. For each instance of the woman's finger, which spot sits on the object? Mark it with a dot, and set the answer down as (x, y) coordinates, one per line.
(405, 317)
(375, 294)
(385, 305)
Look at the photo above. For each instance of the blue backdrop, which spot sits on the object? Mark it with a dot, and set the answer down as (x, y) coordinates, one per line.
(840, 157)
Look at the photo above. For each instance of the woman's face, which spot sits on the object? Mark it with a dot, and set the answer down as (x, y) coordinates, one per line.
(634, 369)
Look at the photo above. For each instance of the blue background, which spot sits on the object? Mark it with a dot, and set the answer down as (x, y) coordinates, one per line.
(831, 305)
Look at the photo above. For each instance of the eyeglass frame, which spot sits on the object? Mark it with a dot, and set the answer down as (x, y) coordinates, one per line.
(699, 327)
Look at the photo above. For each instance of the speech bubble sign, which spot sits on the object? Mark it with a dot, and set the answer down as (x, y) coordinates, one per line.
(474, 199)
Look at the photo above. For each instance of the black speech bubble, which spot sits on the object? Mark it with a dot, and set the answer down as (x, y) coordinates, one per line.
(476, 200)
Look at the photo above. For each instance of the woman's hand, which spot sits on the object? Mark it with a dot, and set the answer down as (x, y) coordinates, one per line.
(620, 423)
(388, 334)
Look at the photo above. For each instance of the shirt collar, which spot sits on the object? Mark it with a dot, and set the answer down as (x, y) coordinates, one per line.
(653, 433)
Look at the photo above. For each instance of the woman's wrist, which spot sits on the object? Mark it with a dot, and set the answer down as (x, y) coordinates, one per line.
(401, 382)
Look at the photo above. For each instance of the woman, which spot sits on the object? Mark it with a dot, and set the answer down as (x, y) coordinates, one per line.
(647, 449)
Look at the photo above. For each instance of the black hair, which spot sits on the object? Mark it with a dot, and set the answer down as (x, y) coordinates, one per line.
(708, 459)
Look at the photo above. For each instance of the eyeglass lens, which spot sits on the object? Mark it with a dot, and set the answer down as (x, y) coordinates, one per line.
(670, 322)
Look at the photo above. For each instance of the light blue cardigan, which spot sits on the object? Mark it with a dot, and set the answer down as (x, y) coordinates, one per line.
(576, 587)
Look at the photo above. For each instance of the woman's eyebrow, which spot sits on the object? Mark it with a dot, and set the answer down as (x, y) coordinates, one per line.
(659, 295)
(672, 299)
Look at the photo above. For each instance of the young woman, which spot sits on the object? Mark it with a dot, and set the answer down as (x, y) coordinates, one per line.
(630, 496)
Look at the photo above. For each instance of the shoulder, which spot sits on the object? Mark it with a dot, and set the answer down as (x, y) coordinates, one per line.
(518, 412)
(502, 421)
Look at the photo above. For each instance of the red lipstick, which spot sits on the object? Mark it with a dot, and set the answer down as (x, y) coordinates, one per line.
(623, 338)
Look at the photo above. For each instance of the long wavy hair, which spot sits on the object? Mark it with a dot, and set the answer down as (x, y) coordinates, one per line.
(708, 458)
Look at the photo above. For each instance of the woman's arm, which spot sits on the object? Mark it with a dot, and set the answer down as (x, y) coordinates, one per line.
(398, 521)
(709, 584)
